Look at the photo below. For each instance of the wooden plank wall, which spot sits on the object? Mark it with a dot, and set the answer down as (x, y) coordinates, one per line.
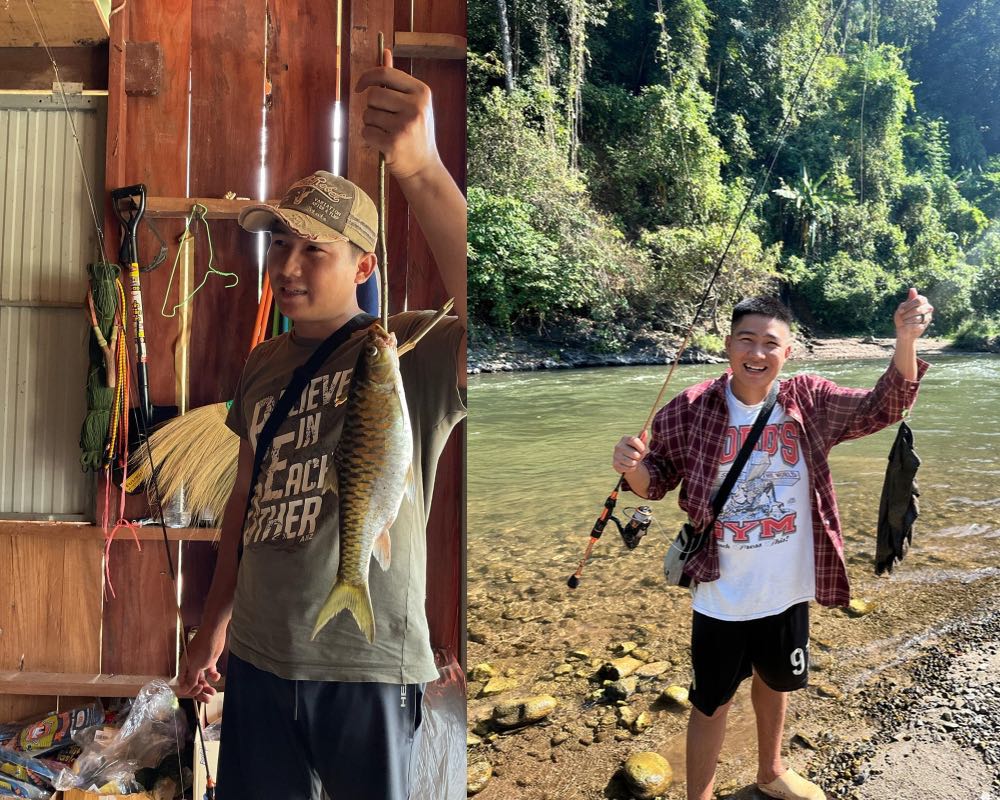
(49, 612)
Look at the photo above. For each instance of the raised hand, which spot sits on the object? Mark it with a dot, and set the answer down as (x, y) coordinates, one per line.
(399, 119)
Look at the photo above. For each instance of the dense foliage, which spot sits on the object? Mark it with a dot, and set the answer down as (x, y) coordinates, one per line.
(614, 144)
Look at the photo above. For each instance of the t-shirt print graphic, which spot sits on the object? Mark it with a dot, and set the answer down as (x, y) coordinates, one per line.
(761, 509)
(291, 490)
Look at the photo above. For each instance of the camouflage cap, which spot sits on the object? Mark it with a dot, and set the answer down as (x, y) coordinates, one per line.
(322, 208)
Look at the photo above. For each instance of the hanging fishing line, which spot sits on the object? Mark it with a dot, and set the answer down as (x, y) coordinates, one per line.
(782, 134)
(383, 253)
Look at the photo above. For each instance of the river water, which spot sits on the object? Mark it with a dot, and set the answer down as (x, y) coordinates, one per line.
(540, 451)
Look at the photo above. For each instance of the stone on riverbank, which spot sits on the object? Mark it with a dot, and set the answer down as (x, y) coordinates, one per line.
(641, 723)
(675, 696)
(647, 774)
(479, 775)
(653, 669)
(622, 689)
(523, 711)
(482, 672)
(497, 686)
(859, 608)
(619, 668)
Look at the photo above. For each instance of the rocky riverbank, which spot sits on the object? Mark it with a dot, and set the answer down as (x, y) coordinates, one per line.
(568, 348)
(903, 703)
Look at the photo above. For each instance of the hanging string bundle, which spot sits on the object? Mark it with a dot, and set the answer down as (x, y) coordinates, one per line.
(102, 309)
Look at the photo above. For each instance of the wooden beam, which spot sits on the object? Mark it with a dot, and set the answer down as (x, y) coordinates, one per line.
(30, 68)
(65, 23)
(429, 45)
(86, 531)
(80, 684)
(180, 207)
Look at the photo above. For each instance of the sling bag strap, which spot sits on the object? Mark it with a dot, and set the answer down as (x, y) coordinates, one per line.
(719, 501)
(300, 377)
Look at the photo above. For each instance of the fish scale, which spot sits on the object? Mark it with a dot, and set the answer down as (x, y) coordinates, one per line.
(372, 467)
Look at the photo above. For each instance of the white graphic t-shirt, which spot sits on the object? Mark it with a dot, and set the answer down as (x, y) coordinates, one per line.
(764, 533)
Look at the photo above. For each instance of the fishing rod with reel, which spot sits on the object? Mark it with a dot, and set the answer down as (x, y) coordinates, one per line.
(635, 527)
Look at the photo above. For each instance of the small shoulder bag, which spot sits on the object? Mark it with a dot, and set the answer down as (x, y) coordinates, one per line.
(689, 541)
(300, 377)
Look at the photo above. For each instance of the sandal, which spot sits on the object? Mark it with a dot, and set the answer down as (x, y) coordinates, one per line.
(792, 786)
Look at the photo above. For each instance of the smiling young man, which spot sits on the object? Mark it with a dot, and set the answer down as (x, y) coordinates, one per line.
(777, 543)
(335, 713)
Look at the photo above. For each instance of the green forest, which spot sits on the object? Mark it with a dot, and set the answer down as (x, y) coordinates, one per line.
(613, 144)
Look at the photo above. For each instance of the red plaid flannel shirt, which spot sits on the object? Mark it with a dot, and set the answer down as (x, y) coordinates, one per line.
(686, 448)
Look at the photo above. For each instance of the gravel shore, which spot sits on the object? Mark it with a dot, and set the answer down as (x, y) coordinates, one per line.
(522, 353)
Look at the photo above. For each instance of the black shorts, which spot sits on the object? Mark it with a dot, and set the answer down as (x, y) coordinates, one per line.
(724, 653)
(292, 739)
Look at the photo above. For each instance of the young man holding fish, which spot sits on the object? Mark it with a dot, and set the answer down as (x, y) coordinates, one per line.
(777, 543)
(316, 698)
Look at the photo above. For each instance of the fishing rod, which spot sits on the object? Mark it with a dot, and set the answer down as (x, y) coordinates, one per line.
(607, 512)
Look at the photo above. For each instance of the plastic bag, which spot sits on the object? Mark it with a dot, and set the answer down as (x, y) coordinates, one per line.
(55, 730)
(155, 728)
(440, 758)
(11, 787)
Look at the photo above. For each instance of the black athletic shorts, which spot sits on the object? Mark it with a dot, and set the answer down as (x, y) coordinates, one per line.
(289, 740)
(724, 653)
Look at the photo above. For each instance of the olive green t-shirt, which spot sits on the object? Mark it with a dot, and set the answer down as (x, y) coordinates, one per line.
(291, 541)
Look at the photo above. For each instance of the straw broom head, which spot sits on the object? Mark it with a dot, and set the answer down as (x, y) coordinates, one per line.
(195, 451)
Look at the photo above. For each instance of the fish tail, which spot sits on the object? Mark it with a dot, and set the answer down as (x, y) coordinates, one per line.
(356, 599)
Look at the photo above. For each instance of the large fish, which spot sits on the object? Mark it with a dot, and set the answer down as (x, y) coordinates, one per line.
(372, 471)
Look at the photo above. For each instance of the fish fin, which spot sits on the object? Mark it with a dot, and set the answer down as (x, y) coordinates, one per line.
(382, 549)
(333, 480)
(340, 399)
(355, 599)
(411, 484)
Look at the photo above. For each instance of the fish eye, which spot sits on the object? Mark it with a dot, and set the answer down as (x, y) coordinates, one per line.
(372, 350)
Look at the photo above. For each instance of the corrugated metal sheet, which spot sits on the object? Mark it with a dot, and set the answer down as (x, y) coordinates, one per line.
(43, 402)
(47, 238)
(47, 235)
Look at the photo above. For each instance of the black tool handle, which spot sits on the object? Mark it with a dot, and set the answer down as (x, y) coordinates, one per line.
(129, 218)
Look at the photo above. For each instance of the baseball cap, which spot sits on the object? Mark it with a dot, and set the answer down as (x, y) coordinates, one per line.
(322, 208)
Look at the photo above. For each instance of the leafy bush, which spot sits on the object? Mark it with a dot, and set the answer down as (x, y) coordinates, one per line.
(513, 268)
(682, 261)
(986, 257)
(572, 259)
(850, 295)
(654, 160)
(978, 334)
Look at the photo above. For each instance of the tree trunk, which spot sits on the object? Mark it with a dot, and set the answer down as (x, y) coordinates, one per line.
(508, 61)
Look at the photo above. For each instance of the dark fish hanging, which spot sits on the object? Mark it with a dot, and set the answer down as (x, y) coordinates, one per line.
(898, 508)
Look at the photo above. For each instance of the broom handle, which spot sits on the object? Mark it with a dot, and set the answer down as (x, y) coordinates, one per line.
(263, 313)
(260, 311)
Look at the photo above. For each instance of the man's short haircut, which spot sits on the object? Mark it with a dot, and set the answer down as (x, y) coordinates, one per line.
(769, 307)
